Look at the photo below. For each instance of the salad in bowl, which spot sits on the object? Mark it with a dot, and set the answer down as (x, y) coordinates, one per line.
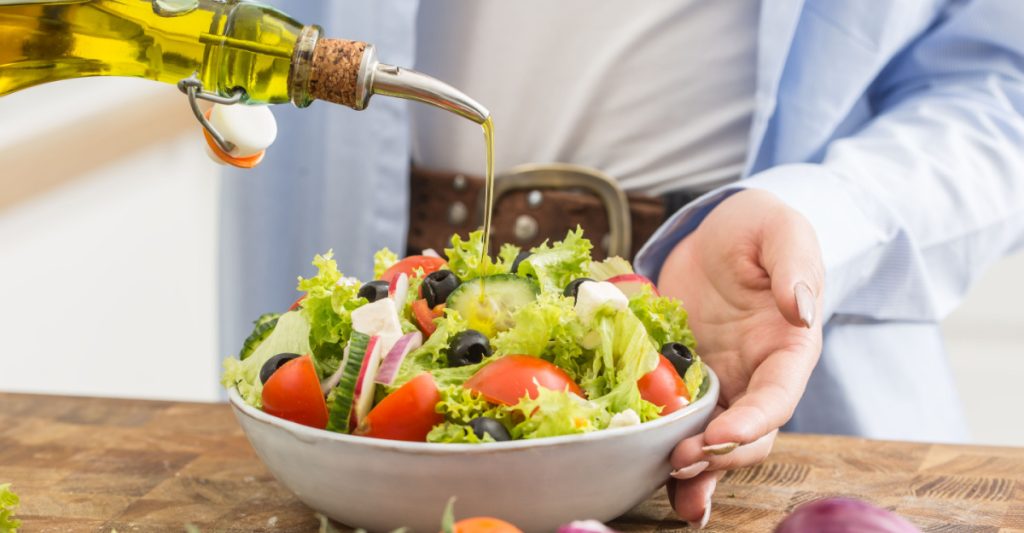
(472, 349)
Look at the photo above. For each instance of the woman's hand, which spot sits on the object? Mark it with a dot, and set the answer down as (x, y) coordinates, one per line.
(751, 279)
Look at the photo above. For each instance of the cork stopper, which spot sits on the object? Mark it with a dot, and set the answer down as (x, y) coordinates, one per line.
(335, 72)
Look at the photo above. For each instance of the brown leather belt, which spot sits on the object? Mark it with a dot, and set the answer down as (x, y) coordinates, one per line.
(532, 204)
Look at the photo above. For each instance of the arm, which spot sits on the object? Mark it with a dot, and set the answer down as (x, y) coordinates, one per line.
(908, 211)
(916, 205)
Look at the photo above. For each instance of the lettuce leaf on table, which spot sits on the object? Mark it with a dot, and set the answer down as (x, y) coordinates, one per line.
(9, 501)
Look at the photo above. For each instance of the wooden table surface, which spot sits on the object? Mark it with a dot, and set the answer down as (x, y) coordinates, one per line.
(91, 464)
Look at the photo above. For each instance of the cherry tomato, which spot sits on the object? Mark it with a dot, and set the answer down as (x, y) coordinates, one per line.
(410, 264)
(484, 524)
(425, 316)
(297, 303)
(406, 414)
(293, 393)
(664, 387)
(508, 379)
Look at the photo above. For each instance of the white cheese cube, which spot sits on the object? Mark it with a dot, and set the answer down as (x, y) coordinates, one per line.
(377, 318)
(592, 295)
(624, 419)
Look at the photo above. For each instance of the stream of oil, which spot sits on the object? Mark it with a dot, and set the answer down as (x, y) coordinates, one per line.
(488, 127)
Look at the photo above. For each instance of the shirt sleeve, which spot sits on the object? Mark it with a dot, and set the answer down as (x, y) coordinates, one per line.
(912, 208)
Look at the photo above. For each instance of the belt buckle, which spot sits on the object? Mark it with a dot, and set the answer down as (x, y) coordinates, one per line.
(566, 176)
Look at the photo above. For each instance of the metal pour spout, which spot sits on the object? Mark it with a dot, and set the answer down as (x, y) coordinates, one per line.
(378, 78)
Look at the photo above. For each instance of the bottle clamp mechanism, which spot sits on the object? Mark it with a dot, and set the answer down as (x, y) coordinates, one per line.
(235, 135)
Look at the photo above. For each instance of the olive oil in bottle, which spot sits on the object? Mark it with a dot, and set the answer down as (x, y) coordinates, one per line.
(228, 44)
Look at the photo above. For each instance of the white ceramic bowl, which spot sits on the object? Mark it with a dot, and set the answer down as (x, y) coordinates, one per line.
(380, 485)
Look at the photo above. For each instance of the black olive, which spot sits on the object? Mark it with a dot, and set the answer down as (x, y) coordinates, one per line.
(373, 290)
(486, 425)
(468, 348)
(438, 285)
(574, 287)
(519, 259)
(273, 364)
(679, 355)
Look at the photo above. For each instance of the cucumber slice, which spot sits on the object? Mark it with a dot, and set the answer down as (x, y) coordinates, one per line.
(344, 394)
(263, 327)
(488, 303)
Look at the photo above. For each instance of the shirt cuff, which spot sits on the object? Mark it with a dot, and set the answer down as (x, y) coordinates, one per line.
(845, 230)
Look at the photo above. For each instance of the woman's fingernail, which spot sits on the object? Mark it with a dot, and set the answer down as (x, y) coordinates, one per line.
(804, 303)
(690, 471)
(720, 449)
(705, 517)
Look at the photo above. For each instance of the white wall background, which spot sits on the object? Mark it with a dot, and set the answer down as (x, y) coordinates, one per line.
(107, 284)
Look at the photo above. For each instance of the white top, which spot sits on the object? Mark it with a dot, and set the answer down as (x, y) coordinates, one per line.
(658, 94)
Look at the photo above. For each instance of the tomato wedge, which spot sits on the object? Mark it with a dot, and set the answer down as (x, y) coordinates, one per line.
(485, 524)
(410, 264)
(664, 387)
(508, 379)
(293, 393)
(406, 414)
(425, 316)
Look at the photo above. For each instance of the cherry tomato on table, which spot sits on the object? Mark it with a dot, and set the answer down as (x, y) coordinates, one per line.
(484, 524)
(293, 393)
(406, 414)
(664, 387)
(409, 265)
(508, 379)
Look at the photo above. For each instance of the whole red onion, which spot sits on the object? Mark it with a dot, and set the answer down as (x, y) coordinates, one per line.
(843, 515)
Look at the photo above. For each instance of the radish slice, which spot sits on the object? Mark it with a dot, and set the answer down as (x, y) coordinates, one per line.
(393, 360)
(363, 398)
(399, 289)
(430, 252)
(632, 284)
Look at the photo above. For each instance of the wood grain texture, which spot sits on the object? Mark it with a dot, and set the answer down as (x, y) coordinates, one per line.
(92, 464)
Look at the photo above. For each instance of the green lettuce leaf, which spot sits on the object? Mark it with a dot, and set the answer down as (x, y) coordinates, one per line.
(456, 433)
(547, 328)
(664, 318)
(291, 335)
(556, 265)
(613, 266)
(465, 261)
(382, 260)
(9, 502)
(328, 310)
(694, 378)
(624, 353)
(461, 405)
(553, 413)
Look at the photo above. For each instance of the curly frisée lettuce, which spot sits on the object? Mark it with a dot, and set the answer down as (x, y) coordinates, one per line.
(553, 413)
(8, 504)
(597, 341)
(556, 265)
(328, 307)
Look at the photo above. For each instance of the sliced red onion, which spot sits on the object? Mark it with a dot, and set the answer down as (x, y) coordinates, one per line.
(430, 252)
(332, 381)
(839, 515)
(585, 526)
(399, 289)
(393, 360)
